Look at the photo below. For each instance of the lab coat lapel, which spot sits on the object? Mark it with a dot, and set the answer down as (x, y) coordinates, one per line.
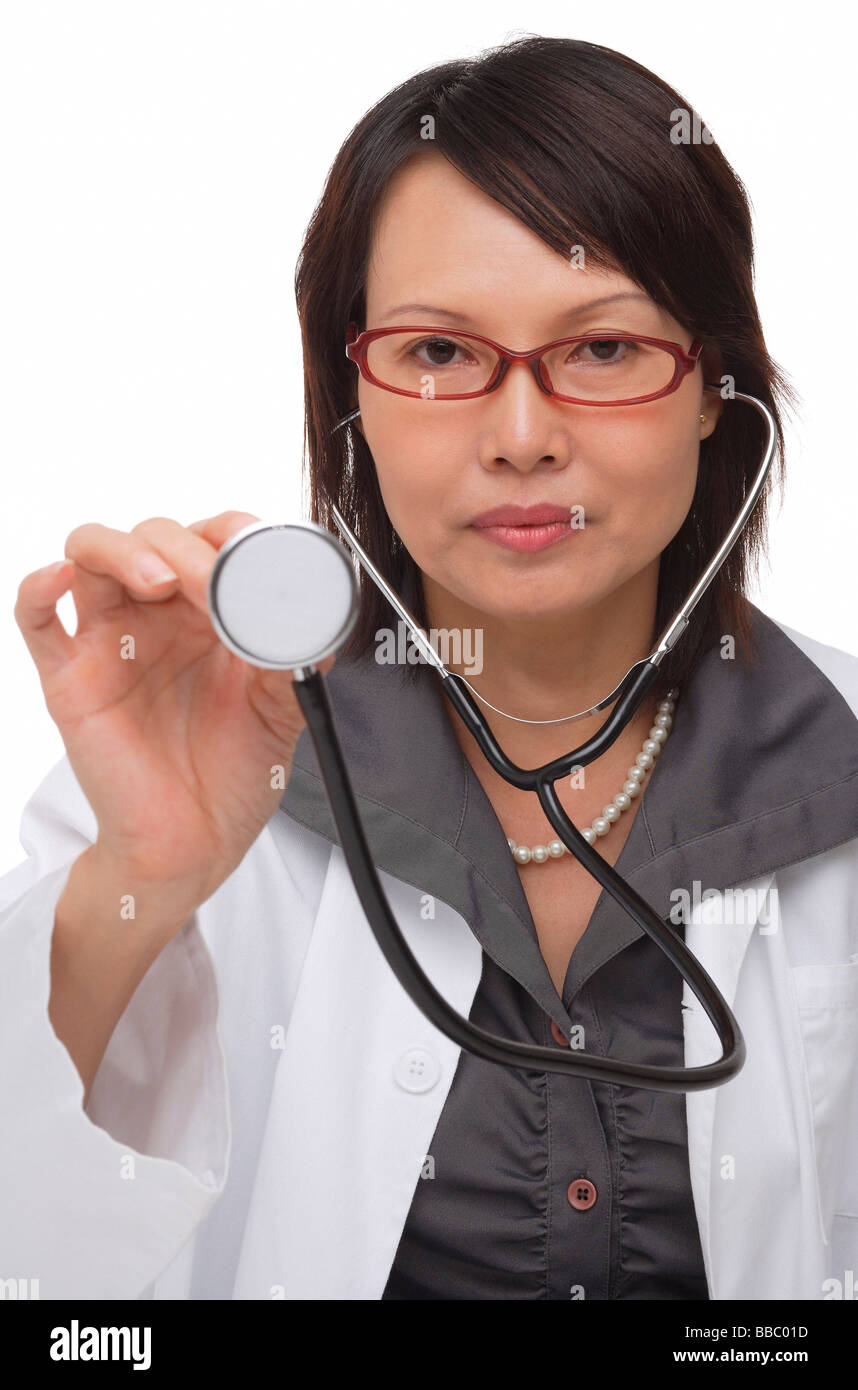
(352, 1118)
(757, 1129)
(720, 946)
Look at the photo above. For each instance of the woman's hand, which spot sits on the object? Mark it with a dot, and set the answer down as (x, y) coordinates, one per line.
(181, 748)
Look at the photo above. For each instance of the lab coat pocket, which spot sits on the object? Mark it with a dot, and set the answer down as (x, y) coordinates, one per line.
(827, 1004)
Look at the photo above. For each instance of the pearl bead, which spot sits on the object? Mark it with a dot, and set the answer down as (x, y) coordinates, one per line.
(632, 787)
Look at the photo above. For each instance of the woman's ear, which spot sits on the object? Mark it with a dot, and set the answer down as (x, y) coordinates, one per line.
(712, 404)
(712, 365)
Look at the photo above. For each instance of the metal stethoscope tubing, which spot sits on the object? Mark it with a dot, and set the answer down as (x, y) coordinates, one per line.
(238, 624)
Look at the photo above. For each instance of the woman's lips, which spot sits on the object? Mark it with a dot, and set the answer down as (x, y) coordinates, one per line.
(525, 528)
(527, 537)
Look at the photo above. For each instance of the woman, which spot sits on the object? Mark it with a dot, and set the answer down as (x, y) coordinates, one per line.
(194, 966)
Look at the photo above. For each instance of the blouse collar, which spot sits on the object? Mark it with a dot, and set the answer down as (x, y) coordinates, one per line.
(760, 771)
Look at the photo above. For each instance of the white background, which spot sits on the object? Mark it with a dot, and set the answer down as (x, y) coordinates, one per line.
(159, 161)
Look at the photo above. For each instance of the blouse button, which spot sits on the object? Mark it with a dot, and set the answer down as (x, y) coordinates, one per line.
(417, 1070)
(581, 1194)
(559, 1037)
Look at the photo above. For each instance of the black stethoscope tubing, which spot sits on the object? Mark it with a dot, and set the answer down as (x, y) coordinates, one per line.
(312, 696)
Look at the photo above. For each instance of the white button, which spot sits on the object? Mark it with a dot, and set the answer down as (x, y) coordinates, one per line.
(417, 1070)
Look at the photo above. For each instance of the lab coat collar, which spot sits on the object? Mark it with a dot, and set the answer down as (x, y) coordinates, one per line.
(760, 771)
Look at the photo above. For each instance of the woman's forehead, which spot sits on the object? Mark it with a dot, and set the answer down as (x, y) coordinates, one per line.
(440, 241)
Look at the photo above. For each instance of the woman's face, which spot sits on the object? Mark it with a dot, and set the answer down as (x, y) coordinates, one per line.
(440, 241)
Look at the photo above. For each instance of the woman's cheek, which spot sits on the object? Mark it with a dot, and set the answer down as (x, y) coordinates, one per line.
(413, 509)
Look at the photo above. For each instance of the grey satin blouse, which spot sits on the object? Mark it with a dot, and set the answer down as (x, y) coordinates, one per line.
(496, 1217)
(541, 1186)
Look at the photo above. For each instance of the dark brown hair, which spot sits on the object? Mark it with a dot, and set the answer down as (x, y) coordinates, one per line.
(575, 140)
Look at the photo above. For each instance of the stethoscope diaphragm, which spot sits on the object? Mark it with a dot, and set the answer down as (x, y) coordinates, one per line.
(283, 596)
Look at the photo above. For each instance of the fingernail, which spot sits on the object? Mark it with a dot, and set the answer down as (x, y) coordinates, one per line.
(153, 570)
(56, 567)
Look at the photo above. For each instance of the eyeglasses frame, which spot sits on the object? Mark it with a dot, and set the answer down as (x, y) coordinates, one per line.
(357, 345)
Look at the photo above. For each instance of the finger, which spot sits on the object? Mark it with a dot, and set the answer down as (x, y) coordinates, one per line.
(35, 612)
(120, 557)
(186, 550)
(106, 572)
(217, 530)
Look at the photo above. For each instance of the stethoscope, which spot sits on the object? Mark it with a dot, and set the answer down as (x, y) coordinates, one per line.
(286, 596)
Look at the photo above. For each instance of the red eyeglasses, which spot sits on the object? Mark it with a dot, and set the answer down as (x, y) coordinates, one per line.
(593, 369)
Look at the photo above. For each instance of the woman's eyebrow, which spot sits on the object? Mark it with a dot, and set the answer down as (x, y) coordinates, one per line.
(464, 318)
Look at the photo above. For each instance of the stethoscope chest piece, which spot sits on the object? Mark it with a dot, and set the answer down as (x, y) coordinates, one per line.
(283, 596)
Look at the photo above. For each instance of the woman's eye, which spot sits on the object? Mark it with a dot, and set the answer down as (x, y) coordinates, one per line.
(607, 350)
(440, 351)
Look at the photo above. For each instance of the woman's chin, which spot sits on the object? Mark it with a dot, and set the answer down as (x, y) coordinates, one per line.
(507, 605)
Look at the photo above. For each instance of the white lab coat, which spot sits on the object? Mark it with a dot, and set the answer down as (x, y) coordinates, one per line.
(261, 1118)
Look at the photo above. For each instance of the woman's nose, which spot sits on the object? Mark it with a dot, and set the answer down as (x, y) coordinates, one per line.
(524, 421)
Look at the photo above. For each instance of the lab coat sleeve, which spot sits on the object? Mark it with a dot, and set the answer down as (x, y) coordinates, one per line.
(96, 1203)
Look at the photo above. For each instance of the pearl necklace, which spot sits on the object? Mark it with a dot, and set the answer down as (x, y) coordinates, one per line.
(652, 746)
